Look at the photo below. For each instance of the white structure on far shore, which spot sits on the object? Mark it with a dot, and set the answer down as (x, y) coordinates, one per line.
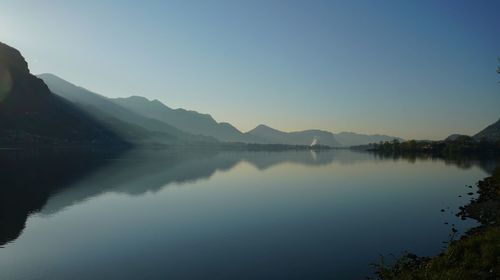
(315, 142)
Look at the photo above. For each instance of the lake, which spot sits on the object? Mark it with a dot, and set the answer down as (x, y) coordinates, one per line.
(184, 214)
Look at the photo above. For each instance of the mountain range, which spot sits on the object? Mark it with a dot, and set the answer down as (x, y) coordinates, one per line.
(306, 137)
(126, 123)
(49, 109)
(156, 116)
(189, 121)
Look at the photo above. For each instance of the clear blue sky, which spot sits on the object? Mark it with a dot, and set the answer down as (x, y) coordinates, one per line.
(415, 69)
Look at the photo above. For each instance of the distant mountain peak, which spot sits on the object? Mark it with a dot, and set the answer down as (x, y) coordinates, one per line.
(138, 98)
(306, 137)
(263, 127)
(454, 137)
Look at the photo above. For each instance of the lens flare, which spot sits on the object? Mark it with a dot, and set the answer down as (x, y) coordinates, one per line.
(5, 82)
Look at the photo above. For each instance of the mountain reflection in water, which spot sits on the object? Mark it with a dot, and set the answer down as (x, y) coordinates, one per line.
(49, 182)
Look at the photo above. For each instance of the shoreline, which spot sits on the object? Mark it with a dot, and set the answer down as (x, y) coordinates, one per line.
(476, 255)
(161, 146)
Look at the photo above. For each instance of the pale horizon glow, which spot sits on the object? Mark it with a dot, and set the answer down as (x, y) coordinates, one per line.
(416, 70)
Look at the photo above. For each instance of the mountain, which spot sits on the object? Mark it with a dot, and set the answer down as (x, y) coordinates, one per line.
(492, 132)
(188, 121)
(455, 137)
(348, 139)
(307, 137)
(133, 126)
(136, 117)
(31, 114)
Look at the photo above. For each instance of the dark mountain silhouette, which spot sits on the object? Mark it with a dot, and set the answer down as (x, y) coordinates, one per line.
(307, 137)
(491, 133)
(188, 121)
(455, 137)
(133, 126)
(29, 178)
(348, 139)
(31, 114)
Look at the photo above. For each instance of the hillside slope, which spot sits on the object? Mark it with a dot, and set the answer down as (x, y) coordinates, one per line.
(31, 114)
(491, 132)
(122, 120)
(188, 121)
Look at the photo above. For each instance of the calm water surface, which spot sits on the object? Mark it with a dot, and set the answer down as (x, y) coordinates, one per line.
(223, 215)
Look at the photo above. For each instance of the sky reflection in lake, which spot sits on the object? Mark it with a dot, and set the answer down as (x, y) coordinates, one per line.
(234, 215)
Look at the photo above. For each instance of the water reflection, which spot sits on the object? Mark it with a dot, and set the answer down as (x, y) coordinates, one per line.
(34, 181)
(488, 164)
(143, 171)
(29, 178)
(162, 213)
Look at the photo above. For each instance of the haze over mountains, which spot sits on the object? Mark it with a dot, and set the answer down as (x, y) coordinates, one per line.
(272, 135)
(131, 126)
(189, 121)
(150, 113)
(32, 110)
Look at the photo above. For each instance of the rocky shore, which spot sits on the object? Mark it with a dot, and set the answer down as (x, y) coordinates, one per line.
(476, 255)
